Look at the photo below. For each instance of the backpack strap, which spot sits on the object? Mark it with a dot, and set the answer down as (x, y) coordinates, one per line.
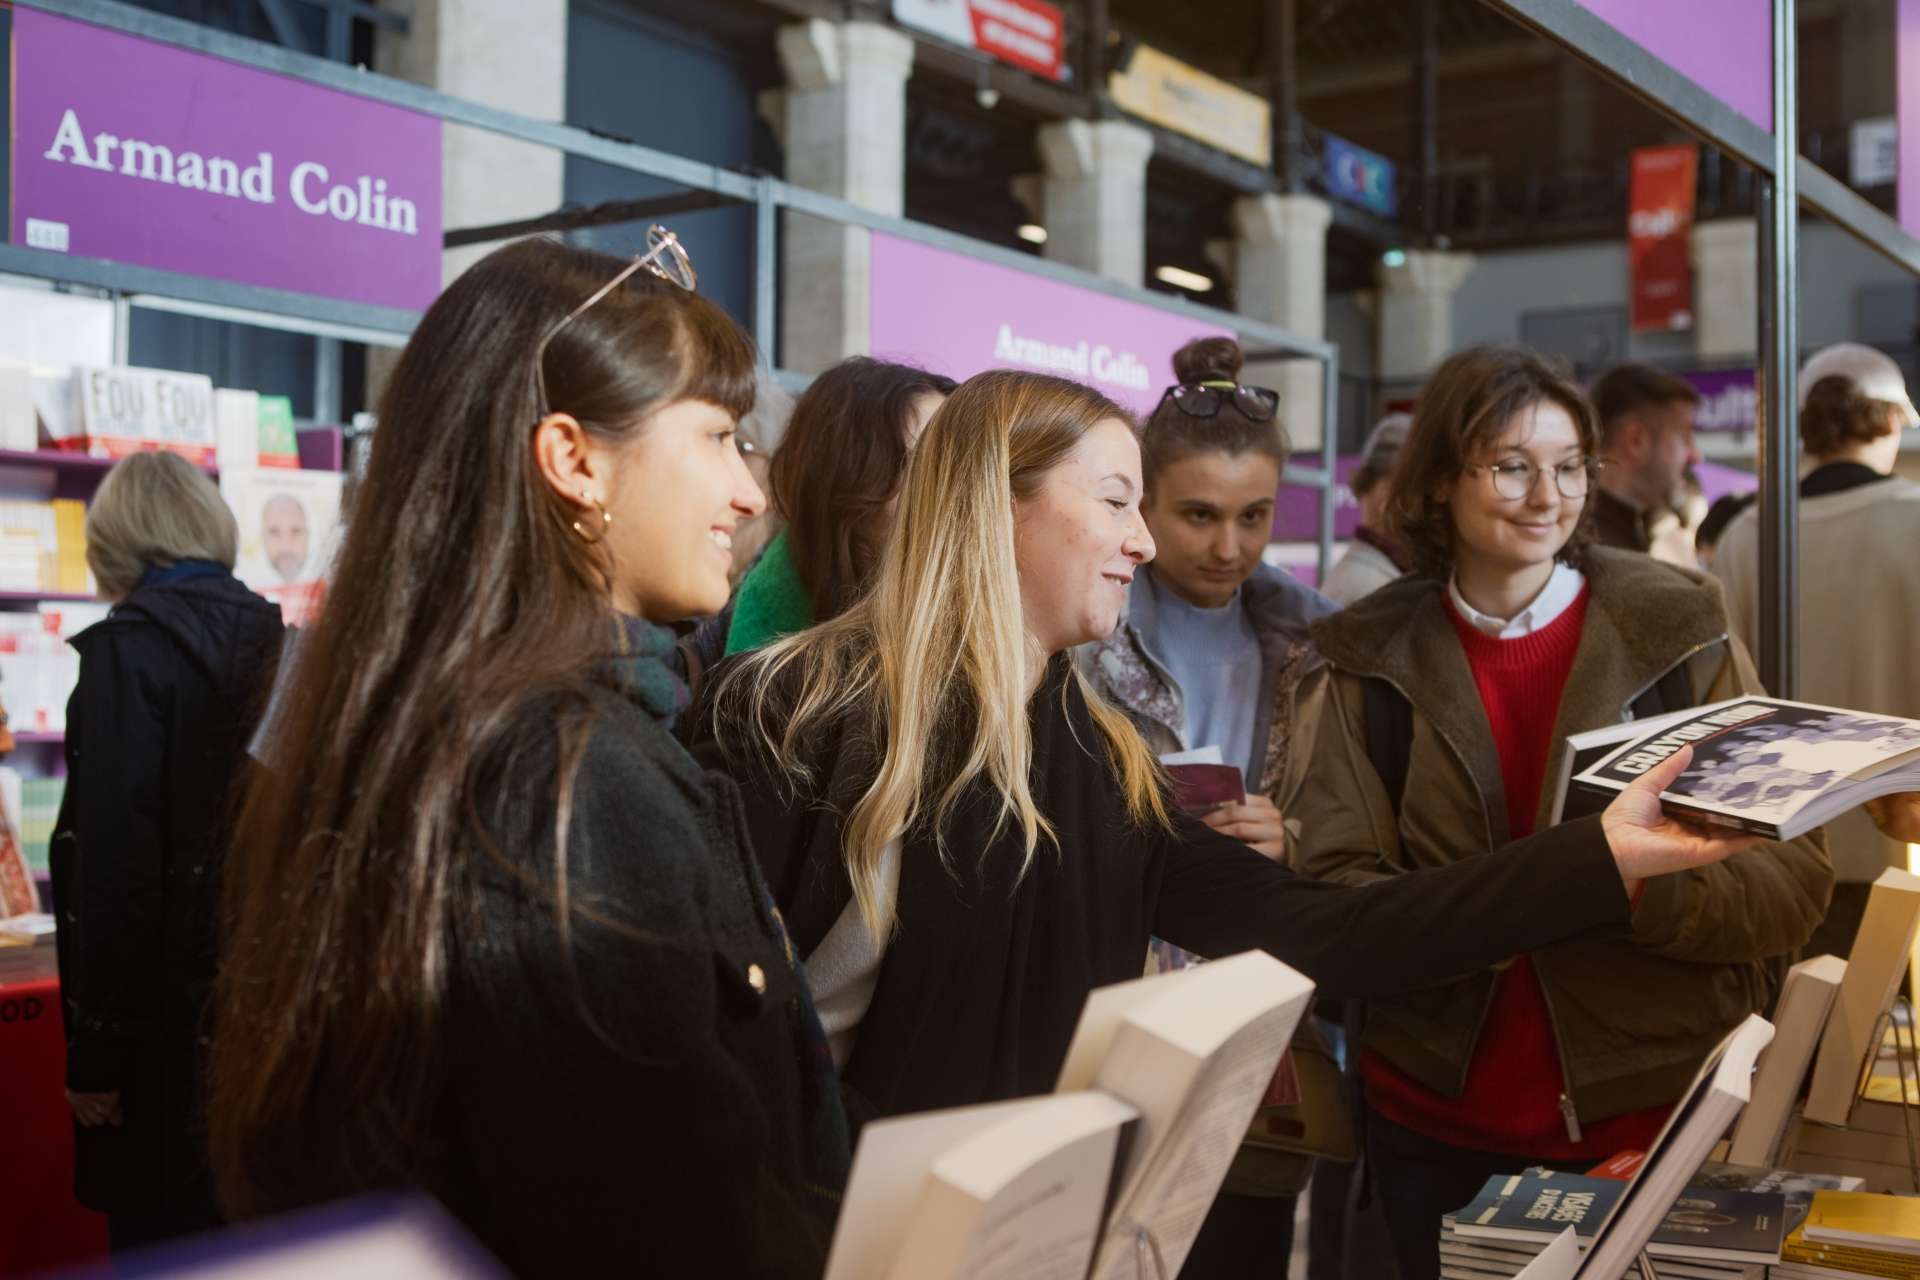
(1389, 736)
(1671, 692)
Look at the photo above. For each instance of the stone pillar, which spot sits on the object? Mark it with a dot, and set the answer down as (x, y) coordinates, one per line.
(510, 54)
(1094, 194)
(1416, 311)
(1280, 277)
(843, 120)
(1726, 285)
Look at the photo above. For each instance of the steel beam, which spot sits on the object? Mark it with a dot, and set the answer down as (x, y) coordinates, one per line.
(1779, 347)
(1624, 62)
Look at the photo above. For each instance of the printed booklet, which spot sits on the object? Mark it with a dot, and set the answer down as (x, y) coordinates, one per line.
(1776, 769)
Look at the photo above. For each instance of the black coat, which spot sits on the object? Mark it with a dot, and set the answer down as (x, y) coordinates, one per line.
(642, 1097)
(985, 978)
(170, 685)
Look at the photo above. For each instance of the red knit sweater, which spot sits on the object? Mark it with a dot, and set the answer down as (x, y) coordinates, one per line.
(1512, 1103)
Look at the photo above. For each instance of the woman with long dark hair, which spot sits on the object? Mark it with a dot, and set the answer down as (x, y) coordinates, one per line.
(493, 933)
(835, 481)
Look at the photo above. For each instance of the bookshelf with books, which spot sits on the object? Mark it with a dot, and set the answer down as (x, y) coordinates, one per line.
(70, 408)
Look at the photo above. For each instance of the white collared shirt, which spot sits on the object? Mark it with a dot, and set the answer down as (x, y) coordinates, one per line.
(1562, 589)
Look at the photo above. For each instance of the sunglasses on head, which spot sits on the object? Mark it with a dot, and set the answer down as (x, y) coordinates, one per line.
(1204, 399)
(663, 257)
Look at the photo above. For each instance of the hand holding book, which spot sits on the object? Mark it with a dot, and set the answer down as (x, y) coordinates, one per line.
(1647, 841)
(1897, 816)
(1253, 821)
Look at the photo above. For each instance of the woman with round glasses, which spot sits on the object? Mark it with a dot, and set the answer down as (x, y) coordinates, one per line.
(1438, 724)
(493, 933)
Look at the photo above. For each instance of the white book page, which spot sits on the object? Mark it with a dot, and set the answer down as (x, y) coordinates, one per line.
(890, 1172)
(1042, 1221)
(1186, 1161)
(1558, 1261)
(1198, 755)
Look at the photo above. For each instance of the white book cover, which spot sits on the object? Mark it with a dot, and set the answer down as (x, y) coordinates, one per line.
(1768, 766)
(289, 532)
(1194, 1051)
(1882, 950)
(1806, 998)
(1008, 1188)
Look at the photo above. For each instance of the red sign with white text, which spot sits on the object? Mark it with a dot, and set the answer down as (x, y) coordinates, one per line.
(1029, 34)
(1659, 218)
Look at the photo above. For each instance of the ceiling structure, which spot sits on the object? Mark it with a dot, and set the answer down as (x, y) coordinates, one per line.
(1532, 146)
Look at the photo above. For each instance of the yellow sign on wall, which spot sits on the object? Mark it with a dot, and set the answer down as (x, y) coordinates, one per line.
(1187, 100)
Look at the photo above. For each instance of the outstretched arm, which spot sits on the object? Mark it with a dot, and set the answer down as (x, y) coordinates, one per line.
(1421, 928)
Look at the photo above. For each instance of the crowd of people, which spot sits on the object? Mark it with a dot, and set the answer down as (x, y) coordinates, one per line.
(602, 880)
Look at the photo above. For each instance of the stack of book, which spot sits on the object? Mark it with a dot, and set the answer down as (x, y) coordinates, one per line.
(1709, 1233)
(43, 546)
(38, 668)
(32, 806)
(1854, 1234)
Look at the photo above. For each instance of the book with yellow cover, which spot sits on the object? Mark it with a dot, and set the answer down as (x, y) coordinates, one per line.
(1798, 1251)
(1864, 1220)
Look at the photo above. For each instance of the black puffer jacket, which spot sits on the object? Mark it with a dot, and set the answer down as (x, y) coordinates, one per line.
(170, 686)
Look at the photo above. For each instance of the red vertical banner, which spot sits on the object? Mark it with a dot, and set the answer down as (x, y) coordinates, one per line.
(1659, 217)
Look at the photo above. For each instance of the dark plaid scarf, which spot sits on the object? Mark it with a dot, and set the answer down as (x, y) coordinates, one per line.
(644, 666)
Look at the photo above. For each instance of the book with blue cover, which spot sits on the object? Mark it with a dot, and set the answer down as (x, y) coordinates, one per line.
(1705, 1222)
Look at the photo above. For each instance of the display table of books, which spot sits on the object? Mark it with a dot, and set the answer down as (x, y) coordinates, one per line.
(41, 1225)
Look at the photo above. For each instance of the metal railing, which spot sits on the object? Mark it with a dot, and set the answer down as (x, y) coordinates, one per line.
(1787, 180)
(766, 195)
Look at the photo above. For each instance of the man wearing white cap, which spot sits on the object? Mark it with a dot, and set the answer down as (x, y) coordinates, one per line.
(1859, 581)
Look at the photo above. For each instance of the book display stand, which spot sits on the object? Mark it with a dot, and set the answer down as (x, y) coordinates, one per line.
(1907, 1071)
(1149, 1262)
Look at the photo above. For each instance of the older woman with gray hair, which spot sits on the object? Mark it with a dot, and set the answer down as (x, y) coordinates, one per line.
(169, 686)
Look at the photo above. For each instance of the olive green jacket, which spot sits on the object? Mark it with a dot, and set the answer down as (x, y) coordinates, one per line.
(1635, 1015)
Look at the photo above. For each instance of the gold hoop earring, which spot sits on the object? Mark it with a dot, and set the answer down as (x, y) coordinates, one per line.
(606, 521)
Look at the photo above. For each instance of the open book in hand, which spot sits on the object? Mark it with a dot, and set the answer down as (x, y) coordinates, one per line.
(1776, 769)
(1114, 1172)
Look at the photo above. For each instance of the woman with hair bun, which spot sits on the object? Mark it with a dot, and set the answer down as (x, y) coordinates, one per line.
(1211, 633)
(1860, 594)
(1207, 656)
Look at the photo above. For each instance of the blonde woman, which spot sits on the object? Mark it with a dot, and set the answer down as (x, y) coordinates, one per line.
(965, 842)
(169, 686)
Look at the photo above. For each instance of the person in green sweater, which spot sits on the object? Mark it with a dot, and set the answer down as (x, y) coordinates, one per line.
(836, 478)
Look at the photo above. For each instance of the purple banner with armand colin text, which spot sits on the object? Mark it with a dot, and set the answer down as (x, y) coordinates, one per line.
(955, 314)
(138, 152)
